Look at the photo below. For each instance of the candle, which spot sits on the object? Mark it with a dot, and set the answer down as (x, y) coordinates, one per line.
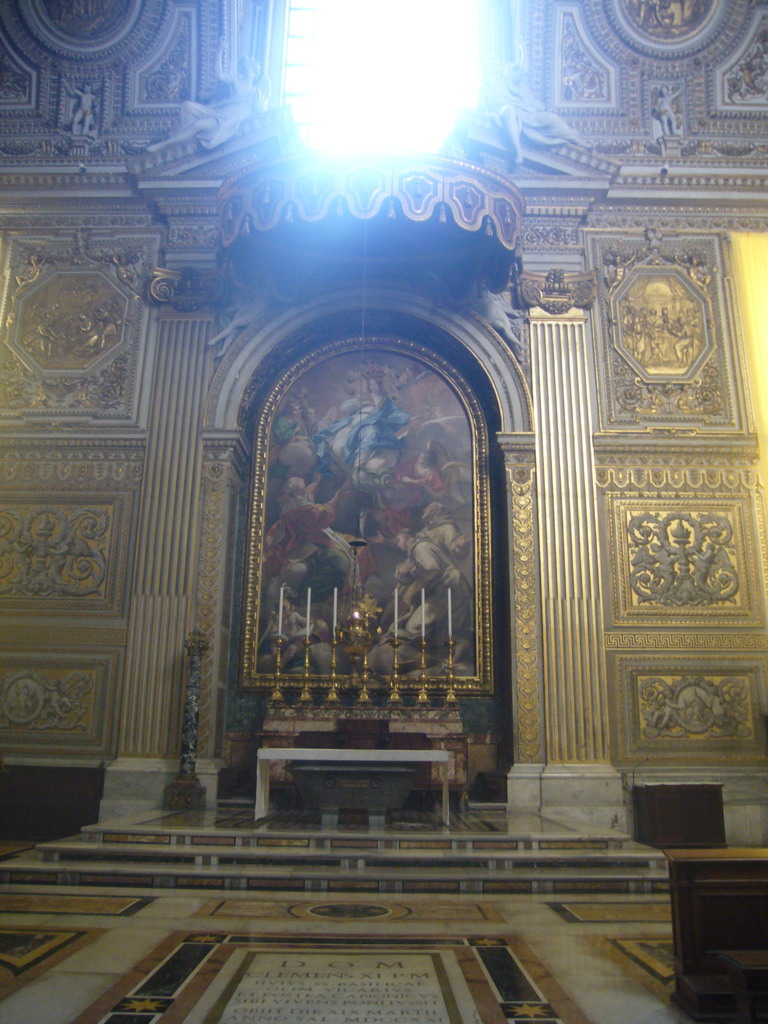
(280, 612)
(450, 616)
(396, 615)
(335, 608)
(309, 604)
(423, 616)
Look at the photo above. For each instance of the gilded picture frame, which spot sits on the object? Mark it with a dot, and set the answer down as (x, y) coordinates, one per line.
(370, 480)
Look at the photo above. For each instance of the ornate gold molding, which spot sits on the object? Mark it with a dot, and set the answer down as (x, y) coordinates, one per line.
(223, 473)
(687, 641)
(186, 290)
(529, 711)
(557, 291)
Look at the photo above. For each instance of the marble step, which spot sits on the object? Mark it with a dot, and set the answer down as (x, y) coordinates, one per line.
(297, 852)
(309, 876)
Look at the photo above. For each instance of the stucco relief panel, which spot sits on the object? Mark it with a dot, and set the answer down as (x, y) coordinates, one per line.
(71, 328)
(692, 709)
(666, 356)
(69, 321)
(166, 77)
(680, 563)
(65, 554)
(584, 77)
(743, 81)
(59, 702)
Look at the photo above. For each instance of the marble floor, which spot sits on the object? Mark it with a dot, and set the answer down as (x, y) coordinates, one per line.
(122, 956)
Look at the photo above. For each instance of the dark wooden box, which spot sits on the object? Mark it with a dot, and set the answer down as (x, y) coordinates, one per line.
(679, 815)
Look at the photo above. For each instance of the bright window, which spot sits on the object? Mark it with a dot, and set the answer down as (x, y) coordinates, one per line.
(367, 76)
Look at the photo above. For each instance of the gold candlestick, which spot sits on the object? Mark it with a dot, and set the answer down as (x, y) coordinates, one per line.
(305, 697)
(394, 682)
(422, 696)
(364, 696)
(450, 696)
(333, 693)
(276, 697)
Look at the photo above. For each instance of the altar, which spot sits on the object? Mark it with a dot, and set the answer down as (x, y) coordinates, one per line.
(347, 757)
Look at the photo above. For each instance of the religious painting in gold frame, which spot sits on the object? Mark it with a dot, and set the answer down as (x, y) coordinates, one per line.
(370, 480)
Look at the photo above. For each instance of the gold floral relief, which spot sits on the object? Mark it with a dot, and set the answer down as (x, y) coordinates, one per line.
(683, 562)
(61, 555)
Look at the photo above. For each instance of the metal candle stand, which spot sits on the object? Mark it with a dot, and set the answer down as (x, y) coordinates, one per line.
(355, 639)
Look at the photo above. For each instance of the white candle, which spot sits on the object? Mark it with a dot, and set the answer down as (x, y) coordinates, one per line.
(335, 608)
(280, 612)
(309, 603)
(450, 616)
(396, 615)
(423, 616)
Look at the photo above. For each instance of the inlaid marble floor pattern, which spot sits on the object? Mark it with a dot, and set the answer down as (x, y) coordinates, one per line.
(105, 956)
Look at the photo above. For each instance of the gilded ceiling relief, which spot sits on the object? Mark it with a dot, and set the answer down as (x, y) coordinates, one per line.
(744, 83)
(169, 81)
(15, 82)
(584, 77)
(668, 20)
(86, 19)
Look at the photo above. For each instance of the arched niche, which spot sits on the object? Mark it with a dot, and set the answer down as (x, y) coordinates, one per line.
(269, 357)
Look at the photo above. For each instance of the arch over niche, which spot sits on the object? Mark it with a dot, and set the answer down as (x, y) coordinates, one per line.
(490, 364)
(414, 346)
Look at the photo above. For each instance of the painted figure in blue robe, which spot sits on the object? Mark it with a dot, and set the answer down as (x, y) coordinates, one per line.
(365, 442)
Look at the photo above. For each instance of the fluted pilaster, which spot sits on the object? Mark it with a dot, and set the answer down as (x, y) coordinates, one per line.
(166, 549)
(574, 680)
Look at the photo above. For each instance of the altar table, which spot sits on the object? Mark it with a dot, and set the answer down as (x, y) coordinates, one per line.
(320, 754)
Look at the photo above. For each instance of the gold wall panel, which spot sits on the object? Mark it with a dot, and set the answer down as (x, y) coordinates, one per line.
(682, 562)
(690, 710)
(70, 320)
(57, 703)
(68, 554)
(664, 339)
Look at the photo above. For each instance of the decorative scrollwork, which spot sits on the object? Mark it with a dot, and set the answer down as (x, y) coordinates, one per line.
(186, 290)
(53, 552)
(702, 396)
(556, 291)
(682, 559)
(692, 706)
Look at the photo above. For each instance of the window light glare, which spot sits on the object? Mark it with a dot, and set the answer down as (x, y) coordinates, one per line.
(386, 77)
